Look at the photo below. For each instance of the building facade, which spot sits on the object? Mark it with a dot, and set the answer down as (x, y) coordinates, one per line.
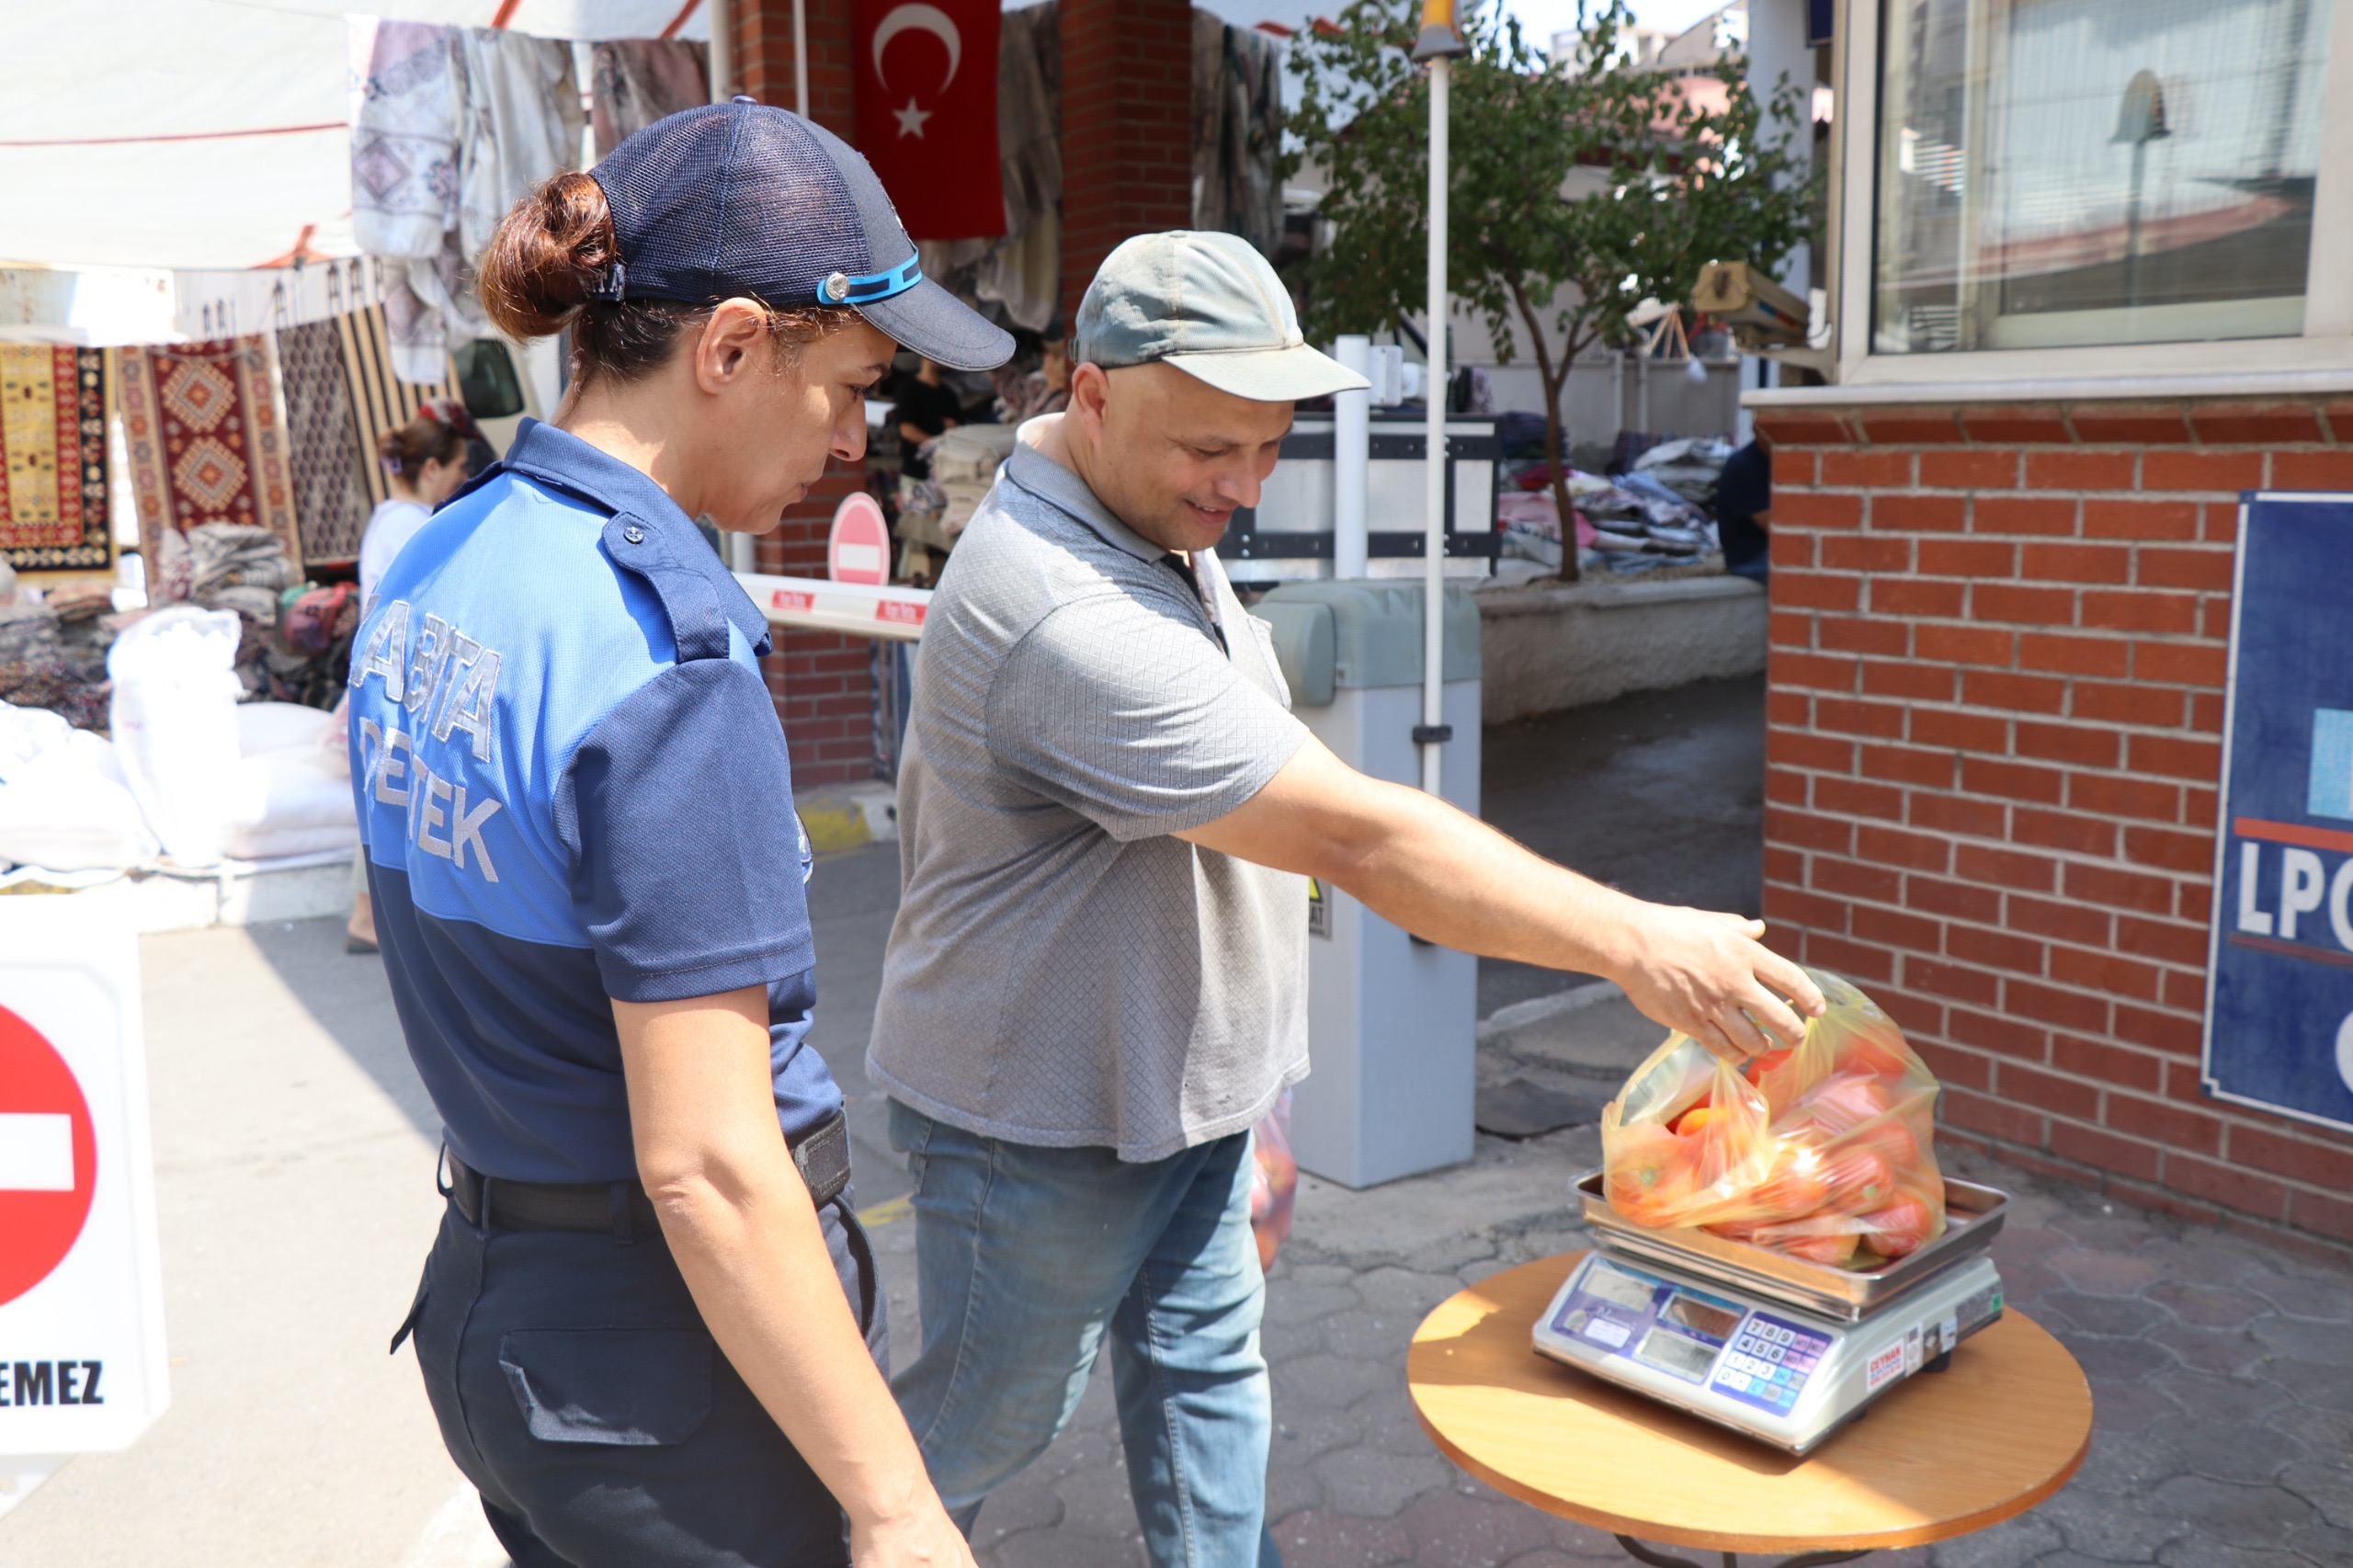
(2090, 280)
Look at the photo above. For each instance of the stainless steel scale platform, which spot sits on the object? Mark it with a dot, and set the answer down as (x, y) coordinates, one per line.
(1779, 1349)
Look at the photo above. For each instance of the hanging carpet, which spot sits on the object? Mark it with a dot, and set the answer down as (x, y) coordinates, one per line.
(380, 401)
(53, 459)
(207, 442)
(330, 468)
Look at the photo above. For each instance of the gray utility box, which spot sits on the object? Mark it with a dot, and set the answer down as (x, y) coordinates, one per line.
(1390, 1021)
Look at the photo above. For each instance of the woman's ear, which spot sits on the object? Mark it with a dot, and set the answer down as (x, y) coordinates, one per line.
(732, 343)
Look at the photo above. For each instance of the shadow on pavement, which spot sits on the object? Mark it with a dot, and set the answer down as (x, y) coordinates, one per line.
(350, 998)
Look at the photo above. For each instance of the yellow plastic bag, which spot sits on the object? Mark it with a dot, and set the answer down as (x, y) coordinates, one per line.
(1821, 1151)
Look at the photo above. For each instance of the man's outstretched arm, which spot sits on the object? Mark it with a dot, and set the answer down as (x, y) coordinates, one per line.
(1451, 878)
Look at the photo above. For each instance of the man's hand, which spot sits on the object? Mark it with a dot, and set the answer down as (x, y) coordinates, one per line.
(1708, 975)
(1451, 878)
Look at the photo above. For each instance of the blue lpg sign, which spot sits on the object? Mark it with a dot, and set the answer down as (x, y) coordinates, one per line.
(2279, 1006)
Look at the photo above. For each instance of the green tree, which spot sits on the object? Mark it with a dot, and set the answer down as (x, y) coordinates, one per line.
(1578, 189)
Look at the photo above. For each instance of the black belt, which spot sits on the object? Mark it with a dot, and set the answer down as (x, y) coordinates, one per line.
(622, 1207)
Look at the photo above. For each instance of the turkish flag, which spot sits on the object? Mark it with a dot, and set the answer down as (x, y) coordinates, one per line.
(926, 112)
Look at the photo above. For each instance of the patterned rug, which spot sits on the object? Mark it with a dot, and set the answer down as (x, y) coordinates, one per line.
(53, 459)
(380, 401)
(207, 442)
(331, 497)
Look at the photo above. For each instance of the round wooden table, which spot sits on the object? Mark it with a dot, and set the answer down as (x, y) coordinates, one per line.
(1940, 1455)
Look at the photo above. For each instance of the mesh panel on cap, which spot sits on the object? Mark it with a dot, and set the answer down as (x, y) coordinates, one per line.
(788, 221)
(887, 244)
(726, 199)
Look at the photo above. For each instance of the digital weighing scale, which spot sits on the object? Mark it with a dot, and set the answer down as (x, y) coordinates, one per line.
(1780, 1349)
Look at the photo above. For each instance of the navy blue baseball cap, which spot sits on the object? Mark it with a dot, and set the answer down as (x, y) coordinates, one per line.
(745, 199)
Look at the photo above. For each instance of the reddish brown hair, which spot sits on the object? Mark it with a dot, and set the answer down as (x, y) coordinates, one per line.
(423, 439)
(547, 255)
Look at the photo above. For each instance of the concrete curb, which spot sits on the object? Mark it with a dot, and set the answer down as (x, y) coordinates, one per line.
(845, 817)
(1508, 1020)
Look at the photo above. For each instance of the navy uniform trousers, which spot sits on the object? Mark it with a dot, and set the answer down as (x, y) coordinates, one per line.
(578, 1389)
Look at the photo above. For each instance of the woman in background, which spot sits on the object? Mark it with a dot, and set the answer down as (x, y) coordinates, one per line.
(424, 461)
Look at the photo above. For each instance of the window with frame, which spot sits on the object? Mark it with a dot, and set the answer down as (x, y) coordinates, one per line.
(2058, 173)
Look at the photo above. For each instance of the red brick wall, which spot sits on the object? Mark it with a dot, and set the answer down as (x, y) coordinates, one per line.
(1127, 129)
(1994, 745)
(819, 679)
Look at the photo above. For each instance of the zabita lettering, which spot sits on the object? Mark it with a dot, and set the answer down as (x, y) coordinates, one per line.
(447, 683)
(24, 1383)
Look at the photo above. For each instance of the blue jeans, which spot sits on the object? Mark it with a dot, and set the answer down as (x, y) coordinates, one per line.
(1025, 1257)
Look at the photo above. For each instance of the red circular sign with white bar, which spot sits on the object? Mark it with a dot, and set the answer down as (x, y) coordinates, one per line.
(859, 549)
(49, 1158)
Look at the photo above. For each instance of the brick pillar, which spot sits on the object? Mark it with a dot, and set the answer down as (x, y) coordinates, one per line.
(1127, 129)
(1992, 750)
(819, 679)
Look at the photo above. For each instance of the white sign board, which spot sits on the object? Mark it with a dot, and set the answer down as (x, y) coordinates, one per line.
(82, 1362)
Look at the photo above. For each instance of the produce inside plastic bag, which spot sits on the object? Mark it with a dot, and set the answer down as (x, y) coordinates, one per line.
(1821, 1150)
(1274, 1180)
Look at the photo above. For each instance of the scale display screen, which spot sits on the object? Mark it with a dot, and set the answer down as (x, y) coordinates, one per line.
(1673, 1328)
(1769, 1362)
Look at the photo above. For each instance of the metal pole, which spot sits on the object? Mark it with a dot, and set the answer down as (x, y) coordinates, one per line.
(801, 57)
(723, 51)
(1434, 448)
(1351, 451)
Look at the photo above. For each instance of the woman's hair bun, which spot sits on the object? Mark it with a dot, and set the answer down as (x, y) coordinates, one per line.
(549, 252)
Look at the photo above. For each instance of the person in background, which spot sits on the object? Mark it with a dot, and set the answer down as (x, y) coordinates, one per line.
(1045, 390)
(926, 407)
(1744, 510)
(424, 461)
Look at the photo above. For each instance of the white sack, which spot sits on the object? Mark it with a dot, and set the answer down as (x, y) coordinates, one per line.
(174, 722)
(64, 803)
(289, 803)
(277, 726)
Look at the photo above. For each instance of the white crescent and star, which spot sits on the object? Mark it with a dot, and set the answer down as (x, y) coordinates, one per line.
(917, 17)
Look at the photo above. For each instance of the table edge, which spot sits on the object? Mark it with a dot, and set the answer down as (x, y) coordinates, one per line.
(1726, 1540)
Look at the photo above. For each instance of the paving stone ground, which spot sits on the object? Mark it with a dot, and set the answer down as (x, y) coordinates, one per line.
(2222, 1370)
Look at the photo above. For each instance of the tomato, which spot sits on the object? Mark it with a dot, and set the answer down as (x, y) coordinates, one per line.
(1796, 1187)
(1858, 1179)
(1879, 1057)
(1652, 1175)
(1836, 1248)
(1692, 1121)
(1766, 1062)
(1900, 1228)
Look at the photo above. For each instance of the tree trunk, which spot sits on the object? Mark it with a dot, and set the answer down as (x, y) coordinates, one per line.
(1556, 383)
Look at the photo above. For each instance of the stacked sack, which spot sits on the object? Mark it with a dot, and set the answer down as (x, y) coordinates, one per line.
(964, 462)
(1822, 1150)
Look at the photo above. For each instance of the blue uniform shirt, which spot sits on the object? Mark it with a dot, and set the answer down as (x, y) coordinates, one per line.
(571, 787)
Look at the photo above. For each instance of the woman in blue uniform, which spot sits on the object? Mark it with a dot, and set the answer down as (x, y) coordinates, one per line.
(650, 1326)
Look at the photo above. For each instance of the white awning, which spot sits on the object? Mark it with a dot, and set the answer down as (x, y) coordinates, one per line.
(113, 115)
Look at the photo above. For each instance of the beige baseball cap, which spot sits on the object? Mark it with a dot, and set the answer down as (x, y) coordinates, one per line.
(1209, 304)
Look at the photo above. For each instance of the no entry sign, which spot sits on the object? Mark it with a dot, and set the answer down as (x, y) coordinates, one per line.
(49, 1158)
(81, 1364)
(858, 550)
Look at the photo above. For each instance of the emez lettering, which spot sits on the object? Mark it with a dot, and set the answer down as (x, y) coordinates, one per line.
(447, 682)
(50, 1382)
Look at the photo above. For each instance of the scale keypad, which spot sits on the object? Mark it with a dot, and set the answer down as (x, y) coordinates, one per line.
(1768, 1362)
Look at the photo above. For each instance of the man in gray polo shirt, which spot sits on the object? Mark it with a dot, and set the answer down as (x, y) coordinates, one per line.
(1097, 980)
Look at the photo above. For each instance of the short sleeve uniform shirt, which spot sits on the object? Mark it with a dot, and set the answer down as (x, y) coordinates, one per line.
(571, 788)
(1062, 972)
